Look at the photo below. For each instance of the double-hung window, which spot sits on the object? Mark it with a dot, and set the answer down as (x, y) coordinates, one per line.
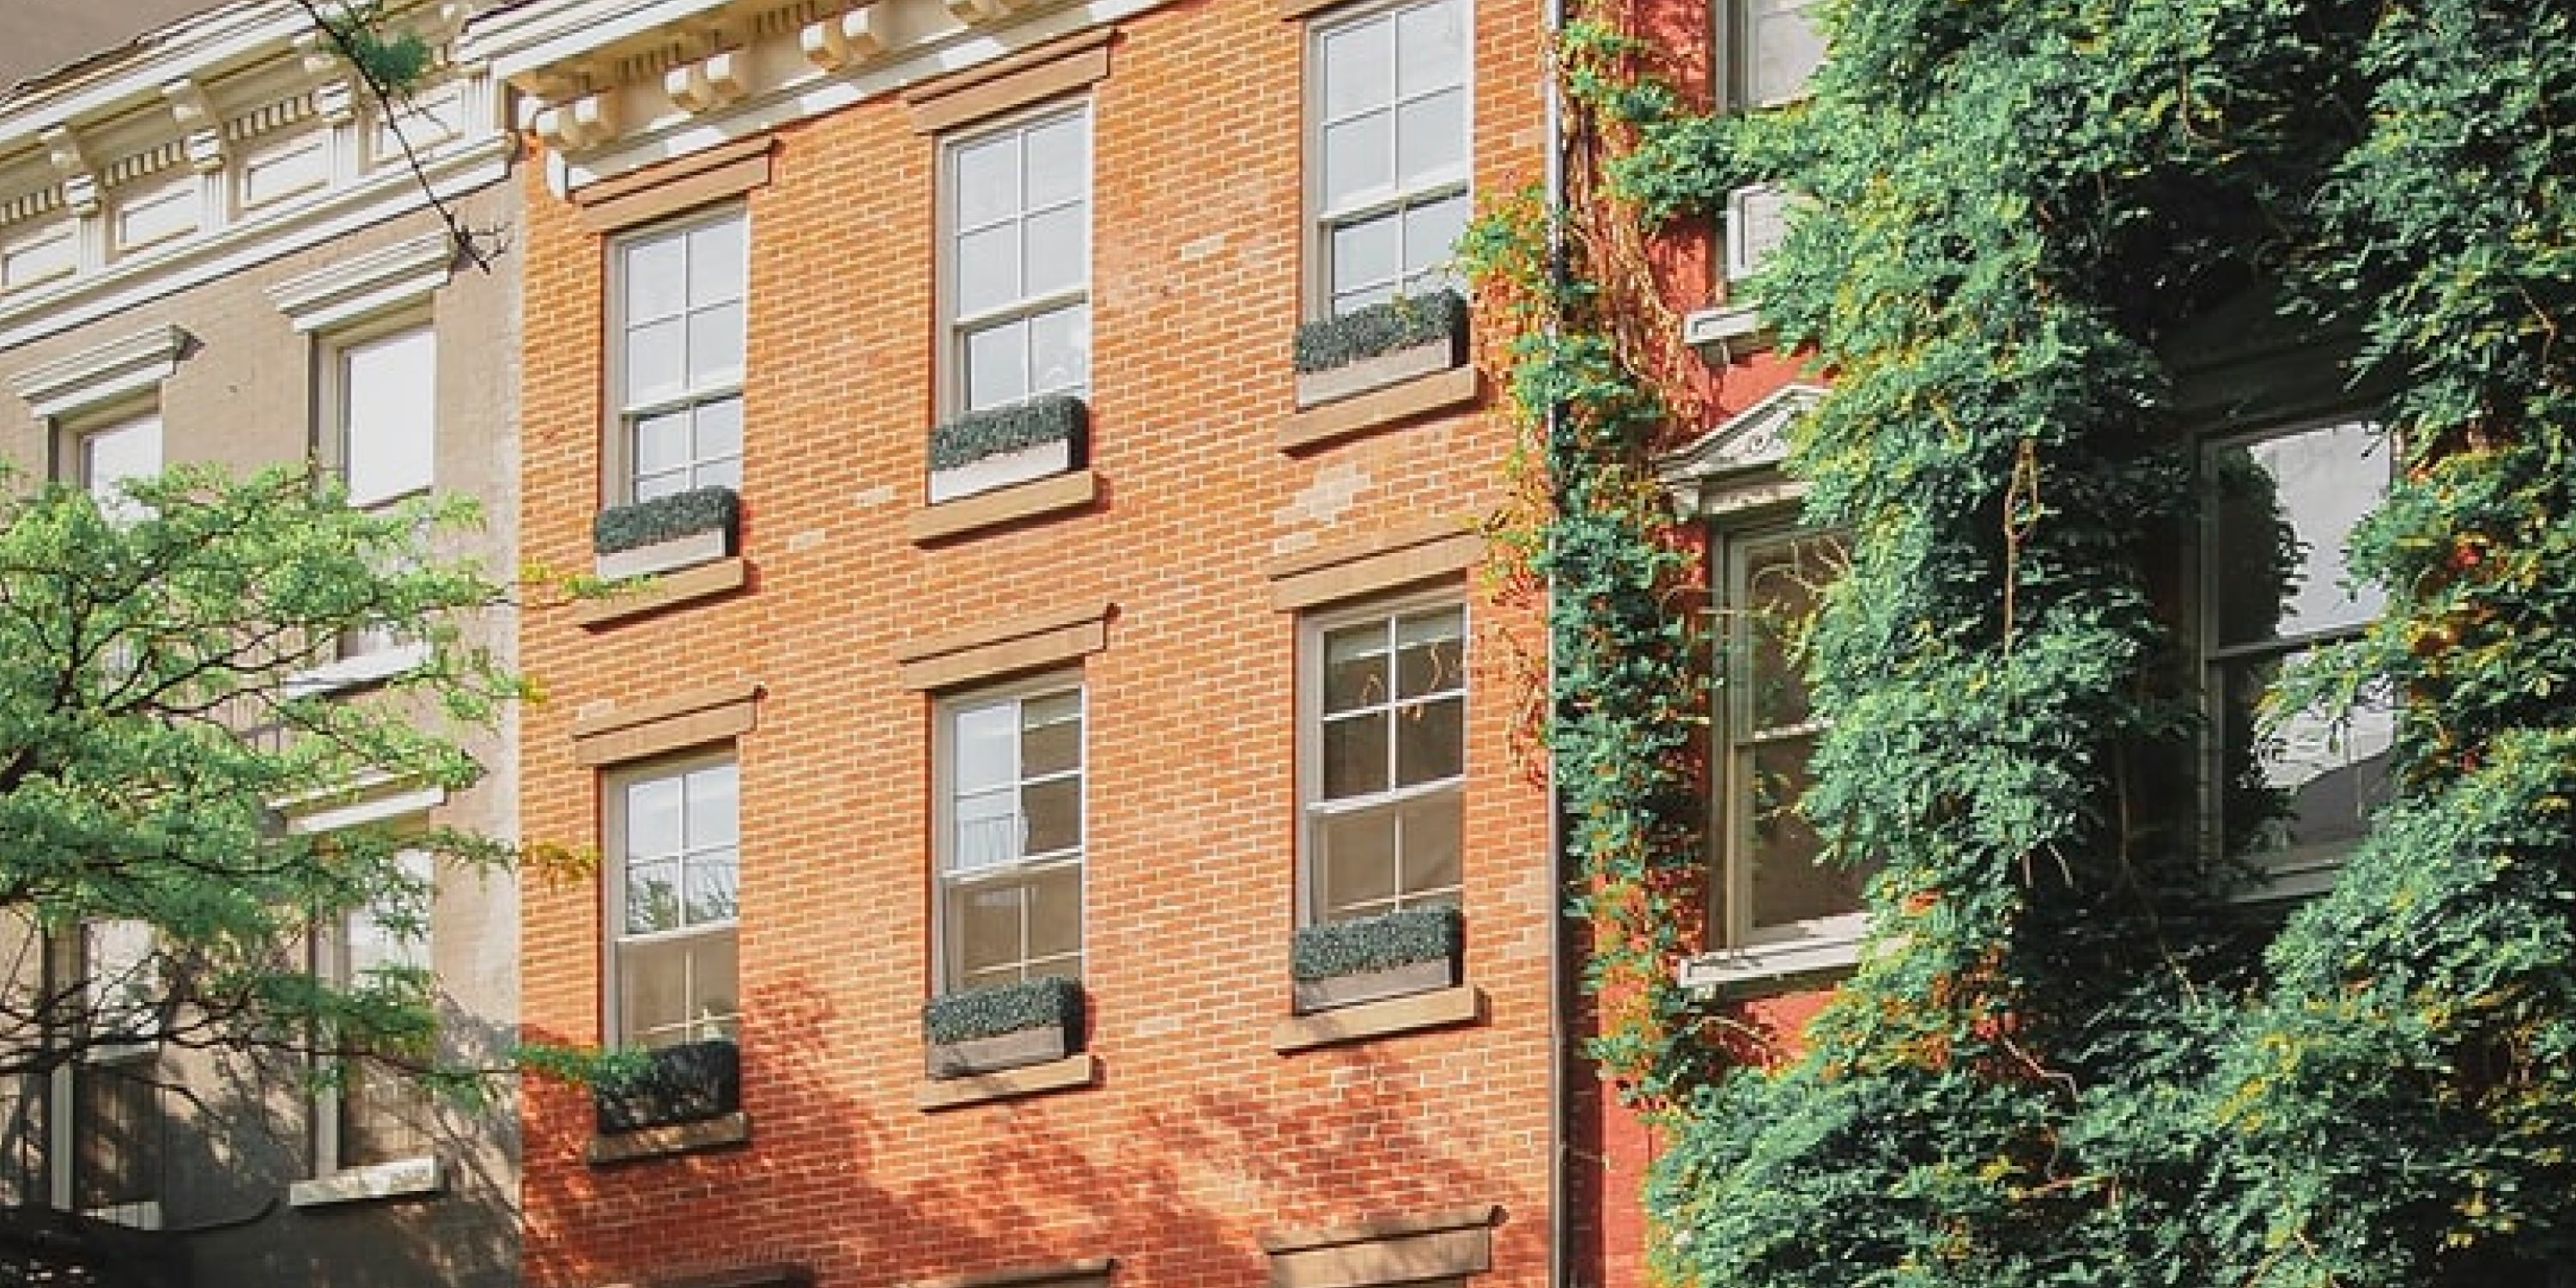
(1010, 829)
(1770, 890)
(111, 1116)
(1388, 148)
(2293, 788)
(1018, 209)
(382, 399)
(678, 357)
(1384, 746)
(373, 1115)
(674, 859)
(112, 455)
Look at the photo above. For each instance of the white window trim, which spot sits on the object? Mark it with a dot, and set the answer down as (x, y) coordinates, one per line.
(331, 1182)
(331, 419)
(1319, 220)
(1311, 629)
(943, 808)
(620, 417)
(612, 818)
(954, 327)
(2305, 871)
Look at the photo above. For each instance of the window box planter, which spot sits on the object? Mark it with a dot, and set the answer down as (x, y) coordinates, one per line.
(1395, 954)
(1381, 345)
(1003, 1026)
(984, 450)
(689, 1083)
(666, 533)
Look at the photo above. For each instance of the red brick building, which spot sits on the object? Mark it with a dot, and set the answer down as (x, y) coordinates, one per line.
(1019, 610)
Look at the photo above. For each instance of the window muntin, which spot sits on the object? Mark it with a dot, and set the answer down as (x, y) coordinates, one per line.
(2282, 507)
(1011, 834)
(675, 861)
(1386, 753)
(1769, 50)
(678, 355)
(1770, 885)
(374, 1115)
(386, 404)
(1019, 260)
(1390, 114)
(110, 456)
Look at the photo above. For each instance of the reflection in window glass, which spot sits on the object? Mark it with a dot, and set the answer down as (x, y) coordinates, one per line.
(1391, 147)
(678, 864)
(1010, 873)
(1019, 251)
(680, 355)
(1389, 744)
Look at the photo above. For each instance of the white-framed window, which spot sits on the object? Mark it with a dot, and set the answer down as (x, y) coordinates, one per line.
(1383, 757)
(2290, 791)
(1010, 829)
(1767, 51)
(382, 408)
(674, 858)
(1388, 142)
(374, 1115)
(1016, 205)
(110, 1110)
(676, 354)
(1769, 890)
(106, 458)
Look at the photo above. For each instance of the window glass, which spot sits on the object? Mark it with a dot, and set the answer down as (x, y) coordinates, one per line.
(1391, 141)
(1010, 862)
(678, 862)
(1388, 749)
(388, 414)
(680, 353)
(1019, 250)
(112, 456)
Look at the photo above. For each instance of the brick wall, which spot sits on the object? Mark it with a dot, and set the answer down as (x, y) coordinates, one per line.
(1199, 1136)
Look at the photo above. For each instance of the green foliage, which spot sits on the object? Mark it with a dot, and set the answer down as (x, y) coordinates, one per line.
(154, 725)
(1046, 1001)
(1405, 322)
(1330, 950)
(2070, 1057)
(1054, 418)
(665, 518)
(691, 1082)
(395, 60)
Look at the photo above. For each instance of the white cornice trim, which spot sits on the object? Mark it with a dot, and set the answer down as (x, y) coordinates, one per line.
(77, 382)
(388, 194)
(378, 280)
(1738, 451)
(533, 38)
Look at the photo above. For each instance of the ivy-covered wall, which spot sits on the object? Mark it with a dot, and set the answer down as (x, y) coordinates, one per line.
(2072, 1056)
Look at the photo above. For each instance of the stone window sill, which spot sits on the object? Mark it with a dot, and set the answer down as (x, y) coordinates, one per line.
(688, 586)
(401, 1178)
(1380, 408)
(1830, 951)
(357, 672)
(968, 515)
(668, 1142)
(1078, 1070)
(1442, 1008)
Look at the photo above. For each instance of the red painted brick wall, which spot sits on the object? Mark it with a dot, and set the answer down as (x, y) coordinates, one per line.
(1200, 1136)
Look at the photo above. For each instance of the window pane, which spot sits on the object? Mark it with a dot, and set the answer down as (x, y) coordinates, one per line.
(1431, 845)
(715, 346)
(2311, 782)
(652, 987)
(1060, 350)
(716, 262)
(987, 269)
(1431, 47)
(984, 931)
(389, 414)
(1356, 862)
(653, 816)
(1055, 912)
(654, 366)
(1366, 258)
(2284, 510)
(112, 456)
(1058, 160)
(1780, 847)
(662, 443)
(997, 366)
(1053, 252)
(1431, 135)
(1430, 741)
(717, 431)
(652, 897)
(1355, 667)
(986, 746)
(713, 994)
(1431, 233)
(1786, 49)
(1054, 811)
(988, 181)
(713, 794)
(1358, 67)
(654, 279)
(1051, 733)
(987, 829)
(1427, 654)
(1776, 597)
(711, 891)
(1354, 755)
(1359, 159)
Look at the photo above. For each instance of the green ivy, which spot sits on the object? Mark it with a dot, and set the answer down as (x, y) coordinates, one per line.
(1053, 418)
(2072, 1056)
(690, 1082)
(1047, 1001)
(665, 518)
(1404, 322)
(1330, 950)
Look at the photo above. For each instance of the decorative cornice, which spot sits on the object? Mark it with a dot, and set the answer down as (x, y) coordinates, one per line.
(1739, 450)
(368, 283)
(80, 381)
